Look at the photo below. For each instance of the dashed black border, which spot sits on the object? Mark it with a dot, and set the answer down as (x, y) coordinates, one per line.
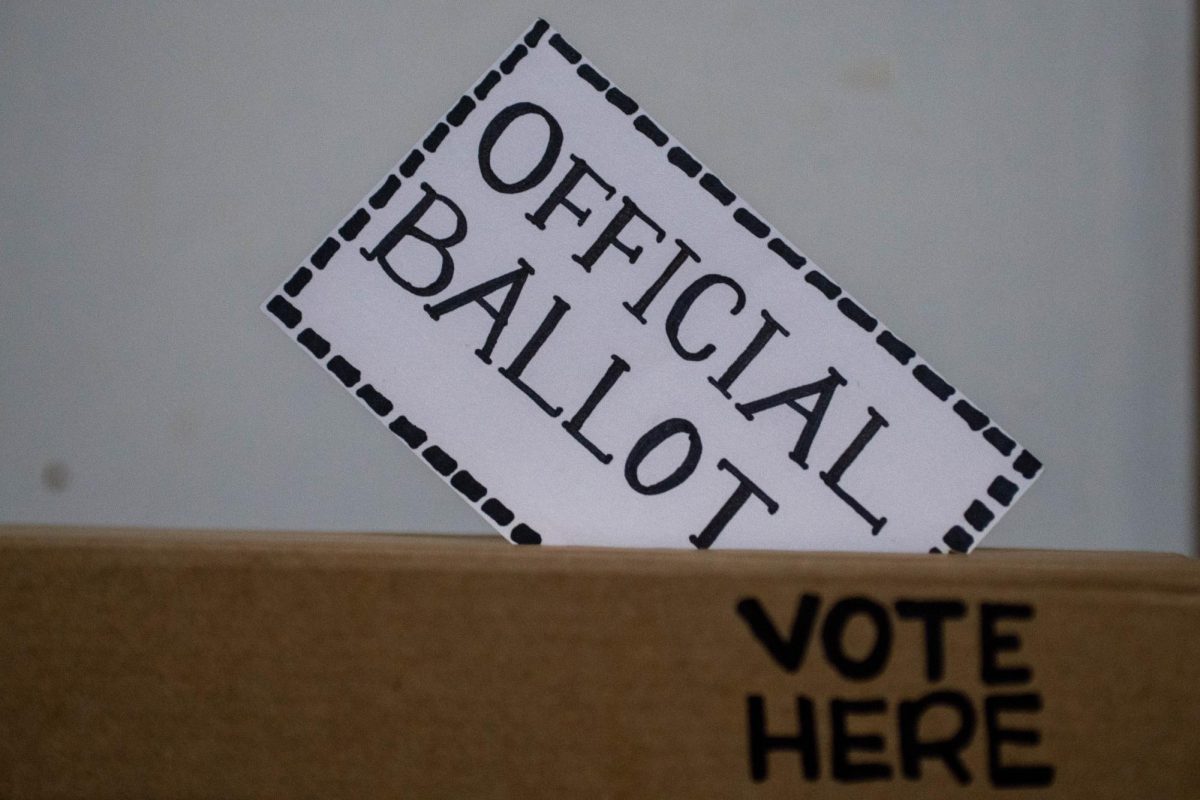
(441, 462)
(978, 515)
(407, 431)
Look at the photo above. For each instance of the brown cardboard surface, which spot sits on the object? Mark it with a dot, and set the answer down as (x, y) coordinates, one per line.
(252, 664)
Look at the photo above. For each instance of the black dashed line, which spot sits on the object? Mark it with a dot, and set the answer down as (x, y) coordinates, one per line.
(1026, 464)
(344, 371)
(297, 282)
(535, 33)
(978, 516)
(645, 126)
(358, 220)
(384, 193)
(822, 284)
(976, 420)
(896, 348)
(414, 160)
(958, 540)
(682, 159)
(933, 382)
(781, 249)
(439, 459)
(470, 488)
(513, 58)
(325, 252)
(565, 50)
(499, 512)
(1002, 490)
(375, 400)
(595, 79)
(857, 314)
(621, 100)
(712, 184)
(409, 433)
(435, 137)
(751, 223)
(523, 534)
(284, 311)
(313, 342)
(999, 440)
(486, 85)
(458, 114)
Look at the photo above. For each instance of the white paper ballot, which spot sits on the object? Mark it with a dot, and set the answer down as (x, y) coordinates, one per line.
(595, 341)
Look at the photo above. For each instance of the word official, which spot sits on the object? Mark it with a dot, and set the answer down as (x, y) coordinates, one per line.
(628, 234)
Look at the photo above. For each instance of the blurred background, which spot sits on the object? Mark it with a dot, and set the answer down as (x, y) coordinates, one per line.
(1008, 185)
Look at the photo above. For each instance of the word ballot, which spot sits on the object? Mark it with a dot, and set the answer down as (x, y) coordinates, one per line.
(595, 341)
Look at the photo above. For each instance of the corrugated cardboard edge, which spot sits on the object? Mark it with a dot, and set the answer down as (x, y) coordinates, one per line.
(1115, 569)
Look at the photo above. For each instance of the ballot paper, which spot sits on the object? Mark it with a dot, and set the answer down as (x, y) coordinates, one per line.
(595, 341)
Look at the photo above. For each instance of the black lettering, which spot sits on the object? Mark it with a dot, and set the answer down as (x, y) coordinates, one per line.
(408, 227)
(824, 390)
(833, 477)
(516, 369)
(788, 654)
(684, 304)
(639, 308)
(992, 643)
(574, 425)
(933, 613)
(914, 749)
(496, 128)
(746, 489)
(833, 635)
(608, 237)
(652, 439)
(1011, 776)
(804, 742)
(845, 743)
(765, 333)
(558, 197)
(513, 282)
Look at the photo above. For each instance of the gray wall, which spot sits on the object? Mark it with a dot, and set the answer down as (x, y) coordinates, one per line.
(1008, 185)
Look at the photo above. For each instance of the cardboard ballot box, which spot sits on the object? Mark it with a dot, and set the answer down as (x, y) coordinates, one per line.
(191, 664)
